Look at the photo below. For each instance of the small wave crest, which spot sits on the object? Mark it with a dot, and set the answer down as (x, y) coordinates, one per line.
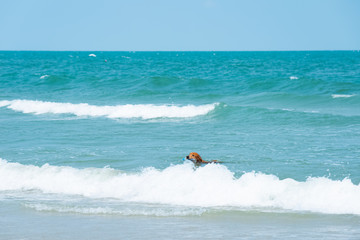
(342, 95)
(143, 111)
(44, 76)
(210, 186)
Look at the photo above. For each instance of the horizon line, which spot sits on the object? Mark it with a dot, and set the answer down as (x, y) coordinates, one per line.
(323, 50)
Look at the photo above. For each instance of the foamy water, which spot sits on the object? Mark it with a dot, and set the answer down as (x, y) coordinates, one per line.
(44, 76)
(212, 185)
(143, 111)
(121, 209)
(342, 95)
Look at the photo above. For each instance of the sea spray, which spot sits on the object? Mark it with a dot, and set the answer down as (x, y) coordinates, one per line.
(209, 186)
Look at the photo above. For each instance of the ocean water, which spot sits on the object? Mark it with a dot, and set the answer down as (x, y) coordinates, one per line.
(91, 145)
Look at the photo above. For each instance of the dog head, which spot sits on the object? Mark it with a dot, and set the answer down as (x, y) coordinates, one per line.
(194, 156)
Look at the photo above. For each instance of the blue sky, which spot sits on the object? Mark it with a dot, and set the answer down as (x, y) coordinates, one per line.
(183, 25)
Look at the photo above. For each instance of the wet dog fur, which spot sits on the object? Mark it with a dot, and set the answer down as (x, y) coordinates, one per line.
(193, 156)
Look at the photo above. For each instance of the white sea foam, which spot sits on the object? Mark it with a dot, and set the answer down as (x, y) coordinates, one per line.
(183, 185)
(293, 78)
(4, 103)
(342, 95)
(129, 210)
(144, 111)
(69, 209)
(92, 55)
(44, 76)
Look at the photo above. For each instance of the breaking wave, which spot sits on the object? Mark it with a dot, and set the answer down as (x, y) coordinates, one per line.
(211, 186)
(143, 111)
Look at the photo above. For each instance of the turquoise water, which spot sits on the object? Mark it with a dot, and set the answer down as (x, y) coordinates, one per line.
(98, 138)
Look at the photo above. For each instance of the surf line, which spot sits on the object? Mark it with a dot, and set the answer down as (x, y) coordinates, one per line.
(141, 111)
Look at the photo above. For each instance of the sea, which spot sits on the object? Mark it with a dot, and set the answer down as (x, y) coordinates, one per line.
(92, 145)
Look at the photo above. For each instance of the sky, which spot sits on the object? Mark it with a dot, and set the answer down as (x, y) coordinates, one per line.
(179, 25)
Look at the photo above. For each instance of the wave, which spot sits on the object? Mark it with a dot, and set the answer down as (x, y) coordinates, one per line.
(143, 111)
(342, 95)
(319, 104)
(211, 186)
(44, 76)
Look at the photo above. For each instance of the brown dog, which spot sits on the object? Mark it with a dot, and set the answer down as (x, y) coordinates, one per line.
(193, 156)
